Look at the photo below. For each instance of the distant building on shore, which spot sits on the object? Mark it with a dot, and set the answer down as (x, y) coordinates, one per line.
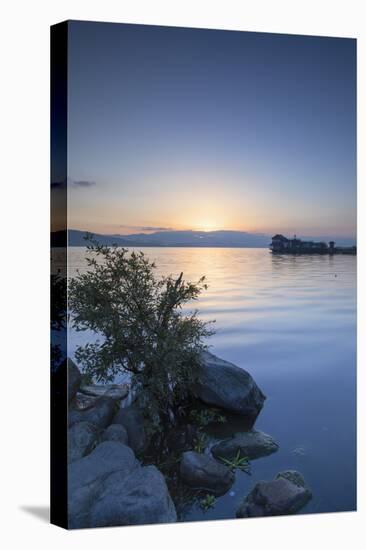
(283, 245)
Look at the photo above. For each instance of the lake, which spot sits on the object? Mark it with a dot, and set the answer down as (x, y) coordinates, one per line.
(291, 322)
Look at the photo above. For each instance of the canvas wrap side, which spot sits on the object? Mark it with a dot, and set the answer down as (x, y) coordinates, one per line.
(59, 69)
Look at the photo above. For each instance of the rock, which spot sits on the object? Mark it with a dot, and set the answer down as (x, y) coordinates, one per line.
(100, 414)
(225, 385)
(115, 432)
(87, 476)
(201, 471)
(115, 391)
(132, 419)
(109, 487)
(293, 476)
(140, 498)
(82, 437)
(73, 379)
(252, 444)
(82, 402)
(286, 494)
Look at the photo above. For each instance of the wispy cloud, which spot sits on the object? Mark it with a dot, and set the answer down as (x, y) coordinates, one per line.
(152, 228)
(146, 228)
(83, 183)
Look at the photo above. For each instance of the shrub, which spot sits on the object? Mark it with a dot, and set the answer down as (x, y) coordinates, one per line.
(143, 327)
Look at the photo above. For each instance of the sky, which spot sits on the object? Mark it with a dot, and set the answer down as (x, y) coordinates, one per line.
(173, 128)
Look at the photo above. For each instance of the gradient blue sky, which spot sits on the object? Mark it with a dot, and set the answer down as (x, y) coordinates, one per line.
(202, 129)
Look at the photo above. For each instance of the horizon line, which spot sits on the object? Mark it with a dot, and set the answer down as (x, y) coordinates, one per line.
(207, 231)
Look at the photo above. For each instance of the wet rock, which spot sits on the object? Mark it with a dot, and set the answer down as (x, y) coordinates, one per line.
(201, 471)
(252, 444)
(225, 385)
(115, 432)
(286, 494)
(73, 379)
(115, 391)
(109, 487)
(100, 414)
(82, 438)
(140, 498)
(132, 420)
(87, 476)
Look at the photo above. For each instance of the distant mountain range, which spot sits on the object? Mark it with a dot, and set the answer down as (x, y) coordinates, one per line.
(223, 239)
(239, 239)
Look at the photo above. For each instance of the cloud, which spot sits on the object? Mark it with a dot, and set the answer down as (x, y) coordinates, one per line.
(146, 227)
(83, 183)
(151, 228)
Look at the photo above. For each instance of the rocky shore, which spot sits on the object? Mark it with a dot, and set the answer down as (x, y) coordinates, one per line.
(114, 478)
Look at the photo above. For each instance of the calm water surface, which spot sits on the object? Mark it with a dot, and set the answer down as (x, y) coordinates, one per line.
(291, 322)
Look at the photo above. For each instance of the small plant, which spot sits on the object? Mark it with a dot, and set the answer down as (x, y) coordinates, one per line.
(237, 463)
(200, 443)
(208, 502)
(207, 416)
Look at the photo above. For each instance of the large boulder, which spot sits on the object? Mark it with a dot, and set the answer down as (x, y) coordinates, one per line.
(201, 471)
(87, 476)
(225, 385)
(252, 444)
(73, 379)
(100, 414)
(140, 498)
(116, 391)
(286, 494)
(132, 419)
(109, 487)
(82, 438)
(115, 432)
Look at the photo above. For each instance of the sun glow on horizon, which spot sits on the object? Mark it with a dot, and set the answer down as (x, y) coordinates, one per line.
(206, 226)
